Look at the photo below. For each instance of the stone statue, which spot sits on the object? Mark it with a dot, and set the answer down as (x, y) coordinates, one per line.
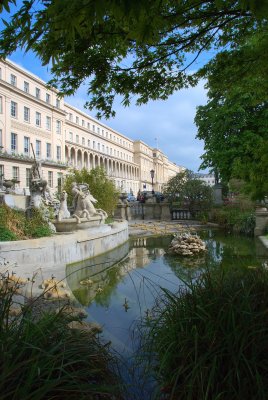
(48, 196)
(37, 186)
(63, 210)
(83, 203)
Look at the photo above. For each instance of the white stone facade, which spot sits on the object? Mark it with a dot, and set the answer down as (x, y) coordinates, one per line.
(33, 118)
(209, 179)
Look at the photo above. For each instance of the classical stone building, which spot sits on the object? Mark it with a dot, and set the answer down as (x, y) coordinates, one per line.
(33, 120)
(209, 179)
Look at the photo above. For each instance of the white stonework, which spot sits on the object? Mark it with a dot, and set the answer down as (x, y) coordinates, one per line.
(209, 179)
(63, 136)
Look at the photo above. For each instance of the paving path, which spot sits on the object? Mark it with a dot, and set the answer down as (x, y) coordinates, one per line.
(149, 228)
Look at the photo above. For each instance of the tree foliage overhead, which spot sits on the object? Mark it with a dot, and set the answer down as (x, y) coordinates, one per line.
(141, 49)
(100, 186)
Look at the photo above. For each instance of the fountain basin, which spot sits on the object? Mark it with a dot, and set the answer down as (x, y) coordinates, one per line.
(51, 254)
(71, 225)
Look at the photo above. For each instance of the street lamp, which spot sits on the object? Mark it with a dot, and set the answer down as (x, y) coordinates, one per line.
(152, 176)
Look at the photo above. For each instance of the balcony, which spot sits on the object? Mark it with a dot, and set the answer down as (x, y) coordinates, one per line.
(28, 158)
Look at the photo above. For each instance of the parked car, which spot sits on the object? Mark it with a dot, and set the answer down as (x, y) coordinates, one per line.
(131, 197)
(149, 193)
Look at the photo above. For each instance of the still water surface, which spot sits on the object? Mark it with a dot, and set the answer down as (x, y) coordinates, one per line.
(127, 281)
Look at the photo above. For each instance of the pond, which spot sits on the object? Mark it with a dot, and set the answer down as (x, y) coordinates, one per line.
(125, 283)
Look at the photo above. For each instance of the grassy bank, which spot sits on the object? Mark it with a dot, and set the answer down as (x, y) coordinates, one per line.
(209, 341)
(44, 358)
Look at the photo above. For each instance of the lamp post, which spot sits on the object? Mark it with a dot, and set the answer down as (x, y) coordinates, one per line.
(152, 176)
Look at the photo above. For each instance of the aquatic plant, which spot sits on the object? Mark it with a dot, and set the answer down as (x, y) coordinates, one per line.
(42, 357)
(209, 341)
(235, 219)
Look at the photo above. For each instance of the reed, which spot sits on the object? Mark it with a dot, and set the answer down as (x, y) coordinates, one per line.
(43, 358)
(210, 340)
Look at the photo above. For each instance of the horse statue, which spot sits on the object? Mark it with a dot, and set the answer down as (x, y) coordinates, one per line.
(83, 203)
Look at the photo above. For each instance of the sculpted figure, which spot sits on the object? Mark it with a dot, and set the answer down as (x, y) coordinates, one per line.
(37, 186)
(48, 197)
(63, 210)
(83, 203)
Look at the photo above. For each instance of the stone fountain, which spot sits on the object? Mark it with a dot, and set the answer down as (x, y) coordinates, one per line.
(85, 214)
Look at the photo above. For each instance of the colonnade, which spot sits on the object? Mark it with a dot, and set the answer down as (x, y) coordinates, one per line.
(121, 172)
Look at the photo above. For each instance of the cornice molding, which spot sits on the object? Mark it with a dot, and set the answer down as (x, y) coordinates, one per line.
(29, 129)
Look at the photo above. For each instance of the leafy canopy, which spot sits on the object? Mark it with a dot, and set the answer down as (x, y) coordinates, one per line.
(141, 49)
(234, 122)
(100, 186)
(185, 189)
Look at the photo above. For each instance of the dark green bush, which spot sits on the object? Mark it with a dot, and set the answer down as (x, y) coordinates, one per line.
(211, 340)
(41, 231)
(6, 234)
(235, 219)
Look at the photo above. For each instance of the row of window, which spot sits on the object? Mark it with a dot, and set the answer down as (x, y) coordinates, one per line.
(13, 81)
(26, 148)
(38, 147)
(97, 130)
(100, 147)
(16, 176)
(26, 89)
(38, 123)
(38, 117)
(147, 151)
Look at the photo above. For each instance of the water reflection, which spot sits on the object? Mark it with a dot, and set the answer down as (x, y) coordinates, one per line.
(140, 268)
(99, 270)
(134, 274)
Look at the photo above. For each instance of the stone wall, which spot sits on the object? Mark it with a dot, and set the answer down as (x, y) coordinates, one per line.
(52, 254)
(261, 221)
(143, 211)
(17, 201)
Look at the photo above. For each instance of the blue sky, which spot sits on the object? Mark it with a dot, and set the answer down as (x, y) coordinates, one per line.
(168, 125)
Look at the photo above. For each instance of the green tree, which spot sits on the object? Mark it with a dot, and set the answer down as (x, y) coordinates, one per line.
(100, 186)
(188, 191)
(140, 49)
(234, 122)
(175, 185)
(198, 195)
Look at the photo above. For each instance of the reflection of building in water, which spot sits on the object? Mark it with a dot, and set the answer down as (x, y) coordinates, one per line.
(104, 272)
(138, 257)
(139, 242)
(141, 256)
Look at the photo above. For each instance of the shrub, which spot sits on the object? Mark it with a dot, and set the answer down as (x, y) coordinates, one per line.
(210, 340)
(41, 231)
(100, 186)
(15, 226)
(13, 221)
(234, 218)
(188, 191)
(6, 234)
(45, 359)
(35, 225)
